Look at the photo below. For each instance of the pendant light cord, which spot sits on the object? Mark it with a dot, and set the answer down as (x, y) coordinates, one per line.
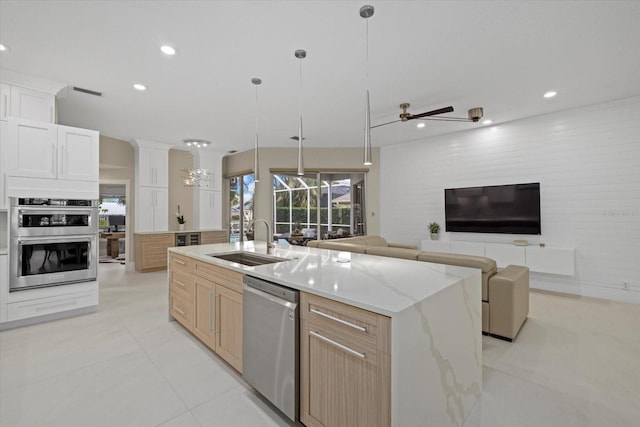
(300, 94)
(367, 52)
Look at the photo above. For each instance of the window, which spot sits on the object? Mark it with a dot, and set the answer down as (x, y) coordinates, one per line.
(330, 202)
(241, 191)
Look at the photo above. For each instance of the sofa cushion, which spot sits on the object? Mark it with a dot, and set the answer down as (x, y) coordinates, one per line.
(487, 265)
(347, 247)
(509, 299)
(375, 241)
(403, 253)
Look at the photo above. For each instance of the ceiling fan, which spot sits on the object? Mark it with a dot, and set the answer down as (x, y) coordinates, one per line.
(473, 115)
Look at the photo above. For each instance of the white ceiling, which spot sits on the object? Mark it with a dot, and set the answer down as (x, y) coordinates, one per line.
(500, 55)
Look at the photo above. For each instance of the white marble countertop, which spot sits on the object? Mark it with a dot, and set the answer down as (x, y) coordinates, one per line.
(383, 285)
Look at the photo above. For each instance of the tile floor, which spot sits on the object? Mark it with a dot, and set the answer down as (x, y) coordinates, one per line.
(575, 363)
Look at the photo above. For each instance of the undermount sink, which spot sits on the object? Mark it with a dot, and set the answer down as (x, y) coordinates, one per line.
(249, 258)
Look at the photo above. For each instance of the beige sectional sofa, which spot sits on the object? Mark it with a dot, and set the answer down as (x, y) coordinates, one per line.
(505, 293)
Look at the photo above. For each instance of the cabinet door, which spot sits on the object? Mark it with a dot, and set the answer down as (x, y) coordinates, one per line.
(145, 198)
(229, 326)
(32, 104)
(205, 311)
(32, 149)
(161, 209)
(78, 151)
(153, 167)
(5, 100)
(4, 139)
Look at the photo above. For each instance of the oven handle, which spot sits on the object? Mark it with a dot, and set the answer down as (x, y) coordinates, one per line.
(48, 210)
(57, 239)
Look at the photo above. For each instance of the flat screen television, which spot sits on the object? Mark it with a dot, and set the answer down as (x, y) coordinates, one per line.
(510, 209)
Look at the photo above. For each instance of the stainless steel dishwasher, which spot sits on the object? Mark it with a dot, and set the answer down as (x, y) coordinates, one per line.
(270, 343)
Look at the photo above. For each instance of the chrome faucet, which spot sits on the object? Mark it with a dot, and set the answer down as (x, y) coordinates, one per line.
(270, 244)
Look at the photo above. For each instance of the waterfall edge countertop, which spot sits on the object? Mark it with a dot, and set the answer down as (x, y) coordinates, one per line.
(379, 284)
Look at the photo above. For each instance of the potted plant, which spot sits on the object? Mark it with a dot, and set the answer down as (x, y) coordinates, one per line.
(434, 229)
(180, 218)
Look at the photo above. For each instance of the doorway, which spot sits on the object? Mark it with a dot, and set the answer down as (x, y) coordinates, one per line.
(113, 242)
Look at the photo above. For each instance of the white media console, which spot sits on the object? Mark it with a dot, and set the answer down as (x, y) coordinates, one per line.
(551, 260)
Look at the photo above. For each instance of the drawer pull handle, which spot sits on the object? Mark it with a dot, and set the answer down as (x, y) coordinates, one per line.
(337, 344)
(180, 262)
(179, 311)
(179, 283)
(335, 319)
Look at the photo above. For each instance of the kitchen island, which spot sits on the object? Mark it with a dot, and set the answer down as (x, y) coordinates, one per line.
(434, 312)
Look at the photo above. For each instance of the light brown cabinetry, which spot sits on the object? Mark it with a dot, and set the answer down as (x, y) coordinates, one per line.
(217, 236)
(345, 365)
(151, 251)
(207, 300)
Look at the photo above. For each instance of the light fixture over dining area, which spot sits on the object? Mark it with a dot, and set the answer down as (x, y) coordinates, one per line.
(195, 177)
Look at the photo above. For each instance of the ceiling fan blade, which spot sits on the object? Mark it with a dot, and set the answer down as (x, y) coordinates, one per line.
(384, 124)
(431, 113)
(446, 119)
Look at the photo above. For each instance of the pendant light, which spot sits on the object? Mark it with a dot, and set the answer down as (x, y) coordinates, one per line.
(366, 12)
(256, 175)
(300, 54)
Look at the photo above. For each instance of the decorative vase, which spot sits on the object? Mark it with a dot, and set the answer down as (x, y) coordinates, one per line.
(434, 236)
(180, 227)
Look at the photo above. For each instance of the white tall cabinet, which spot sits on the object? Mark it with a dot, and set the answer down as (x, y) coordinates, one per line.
(207, 198)
(152, 186)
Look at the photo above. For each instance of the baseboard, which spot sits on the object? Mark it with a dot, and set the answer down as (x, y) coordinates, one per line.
(588, 290)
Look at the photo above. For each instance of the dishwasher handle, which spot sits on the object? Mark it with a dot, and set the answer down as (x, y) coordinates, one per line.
(272, 298)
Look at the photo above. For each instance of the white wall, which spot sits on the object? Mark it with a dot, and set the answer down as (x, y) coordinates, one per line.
(587, 161)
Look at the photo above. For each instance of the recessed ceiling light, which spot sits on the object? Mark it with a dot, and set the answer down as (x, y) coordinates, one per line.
(420, 125)
(138, 86)
(168, 50)
(3, 48)
(487, 122)
(550, 94)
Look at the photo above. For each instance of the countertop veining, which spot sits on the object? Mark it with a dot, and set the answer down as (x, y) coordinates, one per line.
(380, 284)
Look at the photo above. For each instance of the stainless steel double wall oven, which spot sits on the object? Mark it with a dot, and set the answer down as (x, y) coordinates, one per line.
(54, 242)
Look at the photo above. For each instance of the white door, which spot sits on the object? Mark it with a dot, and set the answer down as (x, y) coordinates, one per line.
(161, 210)
(78, 151)
(32, 149)
(32, 104)
(5, 100)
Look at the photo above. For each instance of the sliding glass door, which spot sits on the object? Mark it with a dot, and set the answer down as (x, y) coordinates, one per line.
(327, 205)
(241, 191)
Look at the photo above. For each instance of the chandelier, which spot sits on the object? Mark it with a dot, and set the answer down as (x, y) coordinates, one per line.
(194, 177)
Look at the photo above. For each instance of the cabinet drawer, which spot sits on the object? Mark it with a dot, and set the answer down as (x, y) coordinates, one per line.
(183, 285)
(213, 237)
(228, 278)
(353, 325)
(181, 263)
(42, 306)
(182, 310)
(154, 261)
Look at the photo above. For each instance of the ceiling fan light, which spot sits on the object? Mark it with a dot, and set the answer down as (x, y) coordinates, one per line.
(475, 114)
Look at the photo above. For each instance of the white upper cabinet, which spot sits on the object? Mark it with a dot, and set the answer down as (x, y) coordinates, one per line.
(30, 104)
(5, 100)
(78, 154)
(46, 150)
(32, 151)
(153, 168)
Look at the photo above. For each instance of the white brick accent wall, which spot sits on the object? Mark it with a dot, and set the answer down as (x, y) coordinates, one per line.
(587, 161)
